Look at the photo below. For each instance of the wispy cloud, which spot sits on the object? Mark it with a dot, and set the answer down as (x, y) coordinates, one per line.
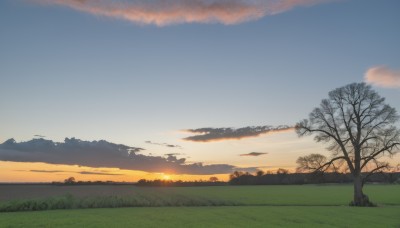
(99, 173)
(39, 136)
(174, 154)
(62, 171)
(383, 76)
(165, 12)
(219, 134)
(44, 171)
(102, 154)
(163, 144)
(248, 169)
(253, 154)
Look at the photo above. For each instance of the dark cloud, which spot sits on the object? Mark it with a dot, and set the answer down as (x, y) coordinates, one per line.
(99, 173)
(164, 144)
(62, 171)
(102, 154)
(254, 154)
(219, 134)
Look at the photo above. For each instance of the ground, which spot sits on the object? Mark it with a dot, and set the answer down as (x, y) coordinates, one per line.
(260, 206)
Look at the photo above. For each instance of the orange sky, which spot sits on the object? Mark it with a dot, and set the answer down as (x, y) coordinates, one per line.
(22, 172)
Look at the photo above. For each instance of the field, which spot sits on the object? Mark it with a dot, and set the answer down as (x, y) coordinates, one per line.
(257, 206)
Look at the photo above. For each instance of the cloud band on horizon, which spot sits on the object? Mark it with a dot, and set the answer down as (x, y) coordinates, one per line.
(253, 154)
(101, 153)
(166, 12)
(62, 171)
(220, 134)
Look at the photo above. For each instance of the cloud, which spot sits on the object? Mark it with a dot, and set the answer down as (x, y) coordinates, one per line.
(102, 154)
(219, 134)
(165, 12)
(253, 154)
(249, 169)
(40, 136)
(383, 76)
(99, 173)
(45, 171)
(61, 171)
(173, 154)
(164, 144)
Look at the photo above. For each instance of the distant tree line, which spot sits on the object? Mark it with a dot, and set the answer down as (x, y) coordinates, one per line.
(213, 181)
(280, 177)
(283, 177)
(73, 181)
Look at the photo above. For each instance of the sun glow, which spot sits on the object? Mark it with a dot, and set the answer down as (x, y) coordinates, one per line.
(166, 177)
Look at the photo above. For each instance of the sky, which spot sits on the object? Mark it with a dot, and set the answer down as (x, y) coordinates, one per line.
(152, 80)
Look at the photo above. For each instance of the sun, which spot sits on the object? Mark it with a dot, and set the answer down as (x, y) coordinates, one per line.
(166, 177)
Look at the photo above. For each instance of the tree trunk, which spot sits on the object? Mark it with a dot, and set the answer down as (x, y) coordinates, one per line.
(358, 193)
(360, 200)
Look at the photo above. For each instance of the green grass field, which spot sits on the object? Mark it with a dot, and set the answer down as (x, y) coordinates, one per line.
(240, 216)
(261, 206)
(293, 195)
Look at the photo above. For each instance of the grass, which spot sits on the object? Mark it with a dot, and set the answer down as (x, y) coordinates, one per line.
(305, 195)
(137, 200)
(256, 206)
(239, 216)
(294, 195)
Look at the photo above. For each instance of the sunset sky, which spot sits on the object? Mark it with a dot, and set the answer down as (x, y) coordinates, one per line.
(129, 89)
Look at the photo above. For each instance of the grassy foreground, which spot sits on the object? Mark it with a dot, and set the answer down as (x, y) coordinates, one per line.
(306, 195)
(288, 195)
(256, 206)
(237, 216)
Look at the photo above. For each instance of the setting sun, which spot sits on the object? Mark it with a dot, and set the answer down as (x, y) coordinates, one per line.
(166, 177)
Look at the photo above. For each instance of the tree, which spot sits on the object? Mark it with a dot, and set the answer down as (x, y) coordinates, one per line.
(69, 180)
(359, 127)
(281, 171)
(213, 179)
(311, 162)
(236, 174)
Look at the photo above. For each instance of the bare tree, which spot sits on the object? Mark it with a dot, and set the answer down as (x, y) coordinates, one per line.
(359, 127)
(310, 163)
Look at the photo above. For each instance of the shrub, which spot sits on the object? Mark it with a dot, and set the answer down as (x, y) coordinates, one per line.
(139, 200)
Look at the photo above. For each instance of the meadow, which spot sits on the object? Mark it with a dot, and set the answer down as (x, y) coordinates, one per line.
(232, 206)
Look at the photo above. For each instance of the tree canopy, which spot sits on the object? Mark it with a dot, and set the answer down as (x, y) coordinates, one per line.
(359, 128)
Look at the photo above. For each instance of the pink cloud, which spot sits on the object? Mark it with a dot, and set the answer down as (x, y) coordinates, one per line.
(165, 12)
(383, 76)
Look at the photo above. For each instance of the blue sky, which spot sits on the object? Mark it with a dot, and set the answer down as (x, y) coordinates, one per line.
(68, 73)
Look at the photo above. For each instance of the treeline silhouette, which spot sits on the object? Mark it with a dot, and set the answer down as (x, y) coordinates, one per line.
(73, 181)
(283, 177)
(178, 183)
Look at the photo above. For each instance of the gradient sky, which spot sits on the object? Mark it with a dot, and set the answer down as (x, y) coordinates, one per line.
(72, 72)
